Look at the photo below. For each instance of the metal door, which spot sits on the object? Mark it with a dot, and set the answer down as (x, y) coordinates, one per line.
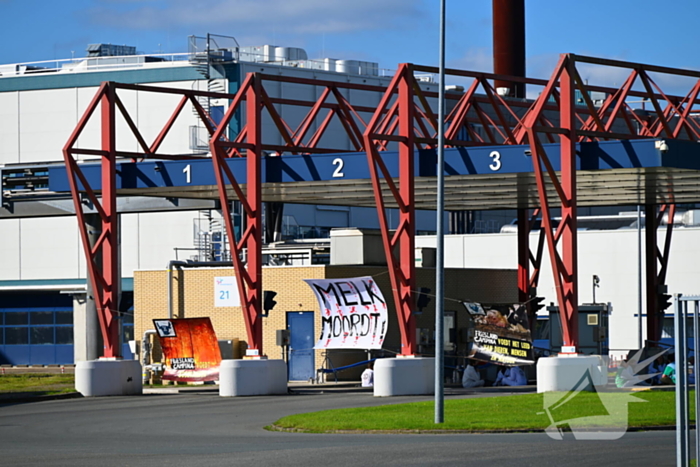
(301, 345)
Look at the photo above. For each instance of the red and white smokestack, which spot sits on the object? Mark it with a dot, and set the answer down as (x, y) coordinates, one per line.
(509, 45)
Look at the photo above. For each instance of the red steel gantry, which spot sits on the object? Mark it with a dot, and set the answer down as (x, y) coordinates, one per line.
(563, 112)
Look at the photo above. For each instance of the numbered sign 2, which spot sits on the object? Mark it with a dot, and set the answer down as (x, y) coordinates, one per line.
(338, 163)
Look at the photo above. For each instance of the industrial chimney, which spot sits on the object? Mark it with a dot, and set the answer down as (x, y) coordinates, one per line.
(509, 45)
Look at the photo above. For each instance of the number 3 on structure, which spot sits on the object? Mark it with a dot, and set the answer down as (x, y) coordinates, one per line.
(496, 164)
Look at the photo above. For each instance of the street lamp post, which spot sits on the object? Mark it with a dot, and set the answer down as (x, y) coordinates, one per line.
(440, 250)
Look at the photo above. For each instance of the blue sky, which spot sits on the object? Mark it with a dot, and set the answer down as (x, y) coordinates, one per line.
(385, 31)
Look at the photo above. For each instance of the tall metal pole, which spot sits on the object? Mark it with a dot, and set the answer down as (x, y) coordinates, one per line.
(681, 343)
(696, 339)
(440, 247)
(639, 273)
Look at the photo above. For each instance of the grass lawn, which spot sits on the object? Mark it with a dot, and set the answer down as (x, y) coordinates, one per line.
(502, 413)
(36, 384)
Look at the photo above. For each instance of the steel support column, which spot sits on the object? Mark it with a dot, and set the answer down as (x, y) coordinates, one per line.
(102, 254)
(248, 272)
(406, 229)
(564, 264)
(253, 242)
(401, 269)
(655, 277)
(568, 225)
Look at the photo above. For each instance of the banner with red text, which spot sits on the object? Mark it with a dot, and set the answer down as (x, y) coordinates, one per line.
(353, 313)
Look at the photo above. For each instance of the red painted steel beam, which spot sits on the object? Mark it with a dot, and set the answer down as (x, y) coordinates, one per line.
(102, 257)
(564, 265)
(401, 268)
(253, 299)
(569, 308)
(407, 216)
(248, 272)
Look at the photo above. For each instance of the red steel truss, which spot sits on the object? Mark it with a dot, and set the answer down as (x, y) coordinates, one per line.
(401, 269)
(552, 117)
(404, 119)
(250, 143)
(103, 256)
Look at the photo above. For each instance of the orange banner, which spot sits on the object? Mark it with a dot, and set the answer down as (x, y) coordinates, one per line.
(190, 348)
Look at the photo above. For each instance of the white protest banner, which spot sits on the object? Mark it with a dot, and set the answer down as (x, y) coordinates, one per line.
(353, 313)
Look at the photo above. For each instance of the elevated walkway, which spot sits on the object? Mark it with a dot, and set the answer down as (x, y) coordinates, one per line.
(477, 178)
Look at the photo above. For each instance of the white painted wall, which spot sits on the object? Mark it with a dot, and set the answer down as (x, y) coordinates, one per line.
(50, 249)
(46, 120)
(9, 127)
(34, 127)
(611, 255)
(9, 249)
(149, 239)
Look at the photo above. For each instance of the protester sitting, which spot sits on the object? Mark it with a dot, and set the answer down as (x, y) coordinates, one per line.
(669, 375)
(368, 377)
(625, 377)
(657, 366)
(512, 376)
(471, 378)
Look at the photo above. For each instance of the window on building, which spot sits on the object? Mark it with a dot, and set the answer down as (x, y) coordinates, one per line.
(16, 335)
(17, 318)
(41, 335)
(36, 326)
(64, 335)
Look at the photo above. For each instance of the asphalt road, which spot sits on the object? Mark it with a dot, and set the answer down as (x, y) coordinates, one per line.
(208, 430)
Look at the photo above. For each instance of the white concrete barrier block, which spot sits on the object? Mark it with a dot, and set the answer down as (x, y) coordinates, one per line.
(252, 377)
(404, 376)
(570, 373)
(108, 378)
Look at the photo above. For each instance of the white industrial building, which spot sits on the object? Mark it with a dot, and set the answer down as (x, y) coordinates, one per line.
(610, 254)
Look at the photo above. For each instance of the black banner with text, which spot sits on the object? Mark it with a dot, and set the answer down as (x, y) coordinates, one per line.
(502, 336)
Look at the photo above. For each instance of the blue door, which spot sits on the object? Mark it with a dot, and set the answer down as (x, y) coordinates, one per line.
(301, 345)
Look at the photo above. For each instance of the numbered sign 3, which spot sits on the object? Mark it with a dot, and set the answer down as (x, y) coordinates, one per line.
(496, 161)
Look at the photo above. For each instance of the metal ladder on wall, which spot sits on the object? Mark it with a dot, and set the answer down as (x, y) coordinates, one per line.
(204, 53)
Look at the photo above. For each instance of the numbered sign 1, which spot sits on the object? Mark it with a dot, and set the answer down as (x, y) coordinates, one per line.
(226, 292)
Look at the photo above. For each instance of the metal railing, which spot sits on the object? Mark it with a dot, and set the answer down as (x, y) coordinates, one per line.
(681, 306)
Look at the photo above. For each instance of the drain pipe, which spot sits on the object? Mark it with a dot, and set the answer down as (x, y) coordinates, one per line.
(187, 264)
